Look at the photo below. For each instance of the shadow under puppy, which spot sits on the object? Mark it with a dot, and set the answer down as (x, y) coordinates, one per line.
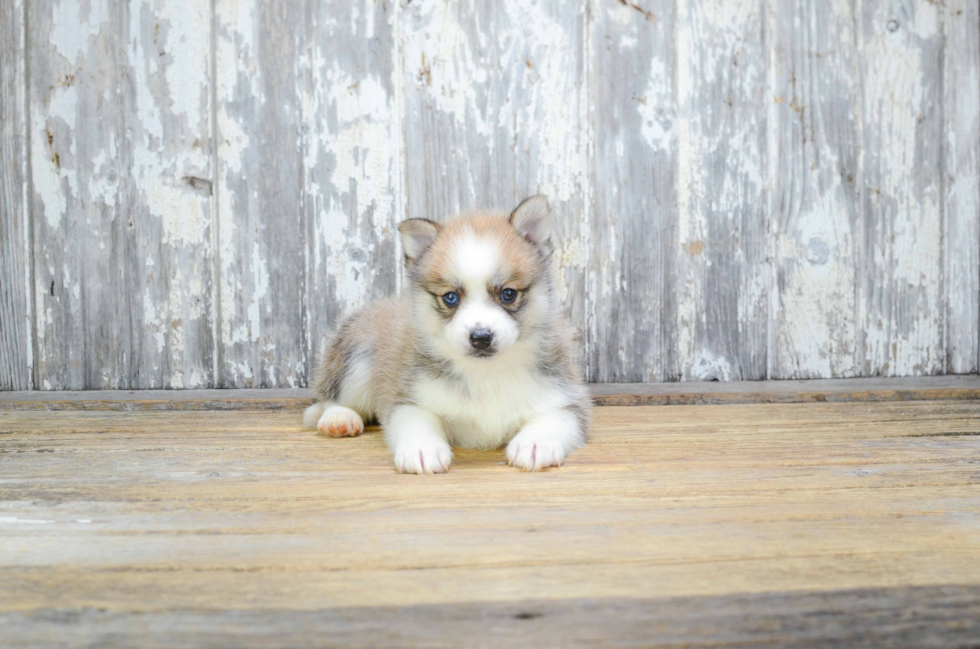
(475, 354)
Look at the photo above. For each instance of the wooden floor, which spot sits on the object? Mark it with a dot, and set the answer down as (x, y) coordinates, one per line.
(810, 524)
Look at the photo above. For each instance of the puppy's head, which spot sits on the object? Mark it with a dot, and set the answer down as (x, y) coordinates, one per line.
(480, 284)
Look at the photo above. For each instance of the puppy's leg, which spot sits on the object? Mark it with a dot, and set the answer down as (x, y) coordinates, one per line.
(344, 388)
(333, 419)
(546, 440)
(417, 441)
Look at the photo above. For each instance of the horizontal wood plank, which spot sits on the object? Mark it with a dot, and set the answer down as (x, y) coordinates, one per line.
(782, 524)
(603, 394)
(914, 617)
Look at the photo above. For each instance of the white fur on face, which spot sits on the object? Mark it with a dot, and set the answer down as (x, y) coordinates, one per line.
(477, 265)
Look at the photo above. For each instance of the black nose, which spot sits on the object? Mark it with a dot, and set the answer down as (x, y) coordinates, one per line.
(481, 338)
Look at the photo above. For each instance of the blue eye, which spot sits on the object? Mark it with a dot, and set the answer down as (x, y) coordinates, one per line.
(450, 299)
(508, 295)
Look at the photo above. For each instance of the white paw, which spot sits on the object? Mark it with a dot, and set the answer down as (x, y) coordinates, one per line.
(339, 421)
(545, 441)
(534, 454)
(423, 455)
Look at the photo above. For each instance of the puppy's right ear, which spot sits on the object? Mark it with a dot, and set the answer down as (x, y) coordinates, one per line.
(417, 236)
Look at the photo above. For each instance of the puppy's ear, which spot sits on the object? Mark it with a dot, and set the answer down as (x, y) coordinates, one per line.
(532, 218)
(417, 236)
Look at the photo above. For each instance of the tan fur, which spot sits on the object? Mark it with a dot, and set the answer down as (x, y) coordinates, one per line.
(517, 254)
(384, 328)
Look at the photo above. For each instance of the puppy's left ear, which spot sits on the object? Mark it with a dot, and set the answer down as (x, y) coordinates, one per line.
(532, 218)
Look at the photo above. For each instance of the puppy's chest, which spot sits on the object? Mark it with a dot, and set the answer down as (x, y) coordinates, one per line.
(486, 411)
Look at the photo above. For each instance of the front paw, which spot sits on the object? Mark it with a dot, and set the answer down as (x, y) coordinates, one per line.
(532, 452)
(431, 455)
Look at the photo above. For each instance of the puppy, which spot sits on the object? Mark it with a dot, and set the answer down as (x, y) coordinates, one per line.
(475, 354)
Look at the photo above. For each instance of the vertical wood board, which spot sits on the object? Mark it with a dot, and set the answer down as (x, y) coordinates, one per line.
(634, 222)
(351, 160)
(260, 222)
(16, 341)
(900, 48)
(816, 212)
(120, 165)
(961, 139)
(718, 328)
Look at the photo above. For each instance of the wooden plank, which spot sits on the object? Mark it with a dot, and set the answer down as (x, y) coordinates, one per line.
(635, 216)
(120, 164)
(817, 222)
(847, 515)
(495, 110)
(909, 617)
(351, 155)
(900, 48)
(160, 400)
(16, 340)
(948, 388)
(261, 230)
(721, 275)
(951, 388)
(961, 119)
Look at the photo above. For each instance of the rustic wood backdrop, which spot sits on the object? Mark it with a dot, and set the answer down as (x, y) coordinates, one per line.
(192, 192)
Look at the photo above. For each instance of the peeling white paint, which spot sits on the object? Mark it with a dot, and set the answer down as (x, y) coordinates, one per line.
(720, 217)
(508, 99)
(188, 38)
(181, 213)
(961, 250)
(74, 24)
(904, 315)
(817, 312)
(236, 66)
(659, 128)
(362, 151)
(709, 367)
(445, 59)
(260, 286)
(49, 123)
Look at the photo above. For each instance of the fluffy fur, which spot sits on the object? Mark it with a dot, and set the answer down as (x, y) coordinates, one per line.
(416, 364)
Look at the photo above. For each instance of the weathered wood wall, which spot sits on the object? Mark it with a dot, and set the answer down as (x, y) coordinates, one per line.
(192, 193)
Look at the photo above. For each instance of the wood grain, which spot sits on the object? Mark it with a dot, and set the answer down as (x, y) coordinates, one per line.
(933, 388)
(911, 616)
(123, 522)
(961, 119)
(261, 229)
(16, 341)
(120, 160)
(817, 218)
(194, 193)
(351, 162)
(900, 49)
(633, 237)
(718, 326)
(496, 110)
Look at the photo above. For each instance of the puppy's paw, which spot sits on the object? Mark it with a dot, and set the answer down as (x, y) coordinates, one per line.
(545, 441)
(339, 421)
(427, 455)
(534, 452)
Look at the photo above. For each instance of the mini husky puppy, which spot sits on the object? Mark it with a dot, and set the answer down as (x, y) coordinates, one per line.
(475, 354)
